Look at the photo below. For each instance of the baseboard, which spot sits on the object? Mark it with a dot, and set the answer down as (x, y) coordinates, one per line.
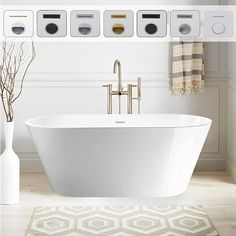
(31, 166)
(35, 166)
(231, 169)
(210, 164)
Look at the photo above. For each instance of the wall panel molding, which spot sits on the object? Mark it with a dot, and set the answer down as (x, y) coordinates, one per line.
(231, 157)
(215, 156)
(209, 159)
(92, 80)
(231, 169)
(232, 82)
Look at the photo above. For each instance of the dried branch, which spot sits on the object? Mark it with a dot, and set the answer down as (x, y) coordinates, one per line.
(25, 72)
(14, 65)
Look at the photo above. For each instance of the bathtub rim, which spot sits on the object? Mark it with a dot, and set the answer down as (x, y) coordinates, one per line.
(28, 122)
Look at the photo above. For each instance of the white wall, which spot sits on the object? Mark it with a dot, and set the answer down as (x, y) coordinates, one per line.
(231, 163)
(68, 78)
(232, 111)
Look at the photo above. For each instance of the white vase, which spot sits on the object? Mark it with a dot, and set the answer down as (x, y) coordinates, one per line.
(9, 169)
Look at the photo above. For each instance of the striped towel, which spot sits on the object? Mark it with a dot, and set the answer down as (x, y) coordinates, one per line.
(187, 67)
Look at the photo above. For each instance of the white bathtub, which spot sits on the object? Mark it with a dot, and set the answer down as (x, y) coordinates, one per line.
(150, 155)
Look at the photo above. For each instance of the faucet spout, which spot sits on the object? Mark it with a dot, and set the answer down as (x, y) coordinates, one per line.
(117, 66)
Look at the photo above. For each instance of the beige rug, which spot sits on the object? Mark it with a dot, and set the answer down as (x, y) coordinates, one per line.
(120, 221)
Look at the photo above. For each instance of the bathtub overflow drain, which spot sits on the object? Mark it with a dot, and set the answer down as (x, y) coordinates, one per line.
(120, 122)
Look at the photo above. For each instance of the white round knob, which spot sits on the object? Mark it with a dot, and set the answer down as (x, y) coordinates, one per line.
(218, 28)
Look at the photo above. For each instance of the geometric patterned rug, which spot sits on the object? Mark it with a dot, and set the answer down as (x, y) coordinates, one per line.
(120, 221)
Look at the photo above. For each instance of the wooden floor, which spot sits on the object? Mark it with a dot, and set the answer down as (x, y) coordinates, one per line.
(213, 190)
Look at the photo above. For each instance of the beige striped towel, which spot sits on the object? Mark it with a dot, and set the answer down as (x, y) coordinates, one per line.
(187, 67)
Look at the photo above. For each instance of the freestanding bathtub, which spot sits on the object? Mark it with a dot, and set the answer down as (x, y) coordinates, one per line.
(149, 155)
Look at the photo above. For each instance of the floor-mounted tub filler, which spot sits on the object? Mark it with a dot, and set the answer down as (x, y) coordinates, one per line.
(148, 155)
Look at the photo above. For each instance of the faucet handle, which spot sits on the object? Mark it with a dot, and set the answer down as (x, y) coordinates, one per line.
(108, 86)
(138, 86)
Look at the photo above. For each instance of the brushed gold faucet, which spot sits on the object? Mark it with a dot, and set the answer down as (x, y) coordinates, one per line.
(120, 92)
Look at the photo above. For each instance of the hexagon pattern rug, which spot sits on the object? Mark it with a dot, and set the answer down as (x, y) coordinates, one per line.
(120, 221)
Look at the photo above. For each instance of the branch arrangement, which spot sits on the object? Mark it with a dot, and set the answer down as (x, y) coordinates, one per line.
(14, 65)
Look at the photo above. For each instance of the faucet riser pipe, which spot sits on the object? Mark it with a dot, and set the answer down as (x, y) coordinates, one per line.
(109, 99)
(129, 100)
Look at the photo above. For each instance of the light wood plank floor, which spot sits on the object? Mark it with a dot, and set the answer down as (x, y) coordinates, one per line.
(213, 190)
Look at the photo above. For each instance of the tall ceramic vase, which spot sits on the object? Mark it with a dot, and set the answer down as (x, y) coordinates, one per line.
(9, 169)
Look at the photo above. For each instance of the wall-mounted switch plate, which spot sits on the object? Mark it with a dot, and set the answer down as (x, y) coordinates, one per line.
(218, 24)
(185, 23)
(85, 23)
(152, 23)
(18, 23)
(118, 23)
(52, 23)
